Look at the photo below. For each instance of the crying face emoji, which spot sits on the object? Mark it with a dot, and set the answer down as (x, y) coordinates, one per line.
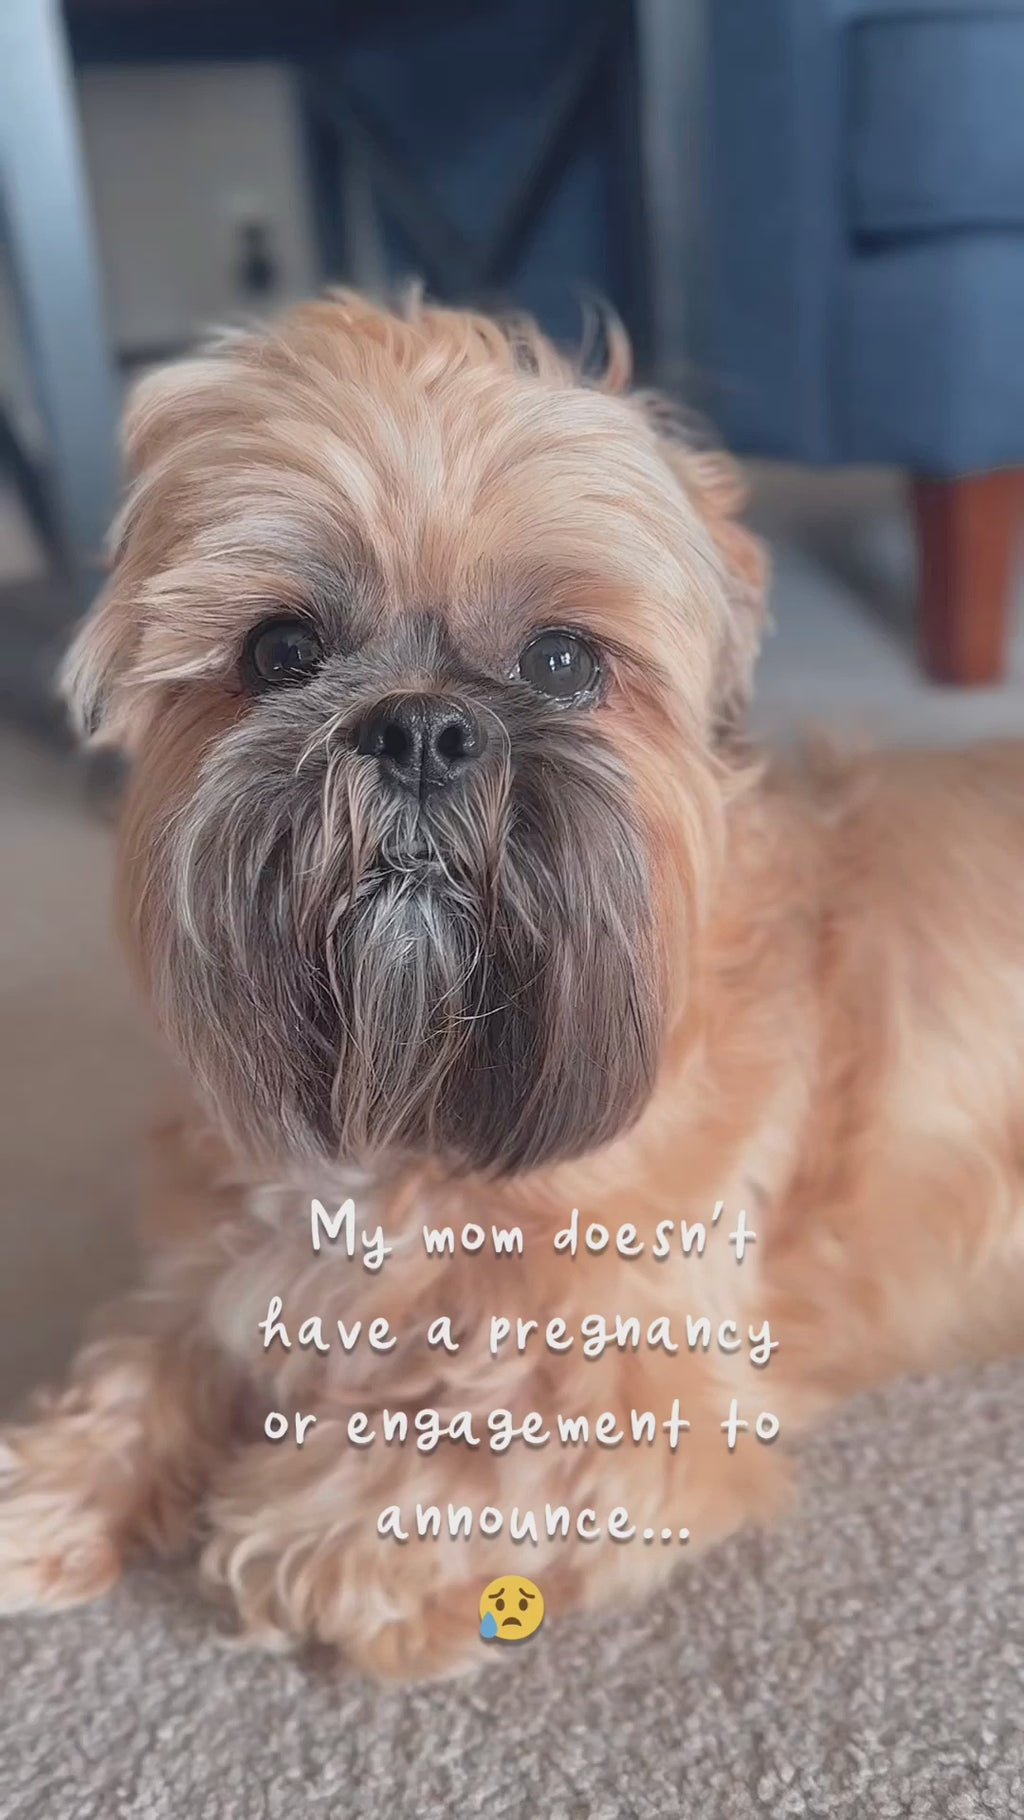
(510, 1609)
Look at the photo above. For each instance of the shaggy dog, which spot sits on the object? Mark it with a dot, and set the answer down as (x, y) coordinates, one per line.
(454, 888)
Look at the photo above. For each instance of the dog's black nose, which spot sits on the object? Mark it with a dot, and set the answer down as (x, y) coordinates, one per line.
(422, 742)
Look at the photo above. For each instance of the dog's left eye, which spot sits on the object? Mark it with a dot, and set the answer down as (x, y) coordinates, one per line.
(280, 651)
(560, 665)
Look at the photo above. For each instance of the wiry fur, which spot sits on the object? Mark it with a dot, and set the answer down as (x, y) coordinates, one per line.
(621, 968)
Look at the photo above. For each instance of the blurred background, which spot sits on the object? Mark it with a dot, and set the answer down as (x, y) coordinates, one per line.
(810, 215)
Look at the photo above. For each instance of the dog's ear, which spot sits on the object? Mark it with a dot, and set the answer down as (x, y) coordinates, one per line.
(96, 660)
(718, 490)
(107, 640)
(714, 485)
(95, 675)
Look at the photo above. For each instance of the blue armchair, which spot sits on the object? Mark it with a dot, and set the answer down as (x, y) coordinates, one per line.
(866, 233)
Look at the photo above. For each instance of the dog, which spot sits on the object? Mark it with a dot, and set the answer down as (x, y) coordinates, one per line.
(463, 900)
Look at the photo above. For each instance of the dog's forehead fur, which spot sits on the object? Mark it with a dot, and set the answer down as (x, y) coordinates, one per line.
(362, 466)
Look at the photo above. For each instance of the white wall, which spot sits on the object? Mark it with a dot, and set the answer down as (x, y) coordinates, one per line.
(177, 158)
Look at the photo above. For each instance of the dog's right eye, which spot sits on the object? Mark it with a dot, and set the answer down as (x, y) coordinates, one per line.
(280, 651)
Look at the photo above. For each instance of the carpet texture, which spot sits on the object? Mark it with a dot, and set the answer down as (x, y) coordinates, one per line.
(863, 1662)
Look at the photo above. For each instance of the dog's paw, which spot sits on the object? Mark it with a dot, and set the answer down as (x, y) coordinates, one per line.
(56, 1549)
(386, 1618)
(433, 1640)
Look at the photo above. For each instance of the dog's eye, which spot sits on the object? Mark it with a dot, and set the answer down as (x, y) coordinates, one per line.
(561, 666)
(280, 651)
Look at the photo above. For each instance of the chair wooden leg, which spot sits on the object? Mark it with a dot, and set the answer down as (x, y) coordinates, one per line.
(968, 533)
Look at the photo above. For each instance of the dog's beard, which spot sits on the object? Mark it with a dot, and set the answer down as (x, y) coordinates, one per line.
(350, 973)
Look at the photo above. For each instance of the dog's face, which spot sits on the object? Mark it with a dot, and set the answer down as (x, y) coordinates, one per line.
(421, 647)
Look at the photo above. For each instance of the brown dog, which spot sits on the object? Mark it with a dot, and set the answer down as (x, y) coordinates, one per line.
(453, 888)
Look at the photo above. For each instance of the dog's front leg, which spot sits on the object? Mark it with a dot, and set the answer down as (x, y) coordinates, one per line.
(116, 1460)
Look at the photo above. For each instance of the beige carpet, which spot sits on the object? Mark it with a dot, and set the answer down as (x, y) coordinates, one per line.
(865, 1662)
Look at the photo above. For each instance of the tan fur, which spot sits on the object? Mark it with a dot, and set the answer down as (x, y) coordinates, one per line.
(844, 1056)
